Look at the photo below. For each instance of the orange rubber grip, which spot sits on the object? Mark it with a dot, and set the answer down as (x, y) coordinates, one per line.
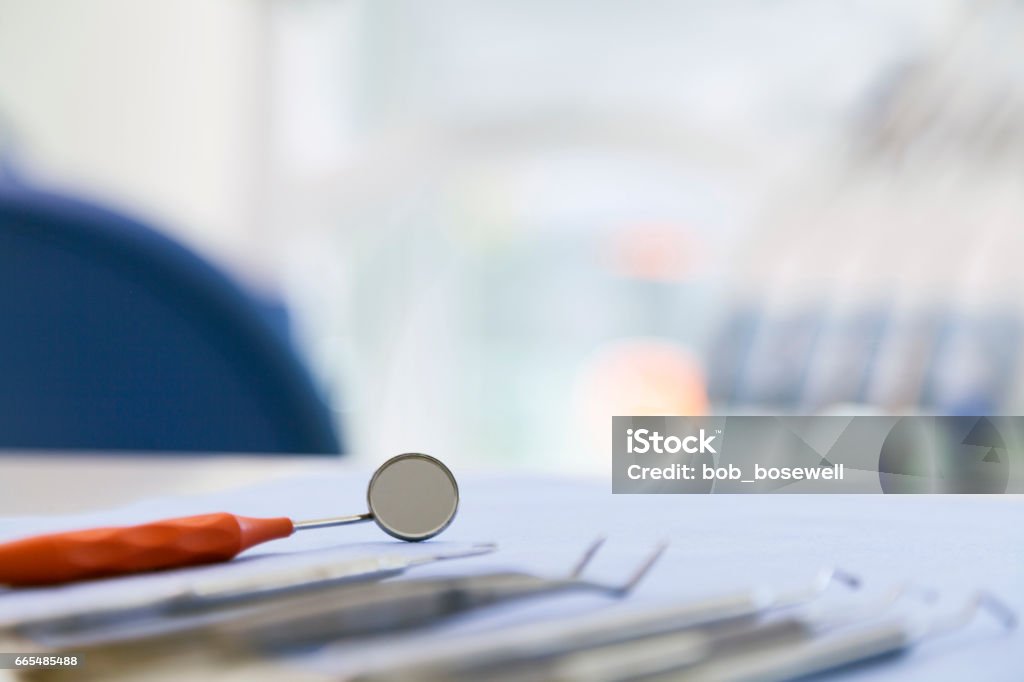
(101, 552)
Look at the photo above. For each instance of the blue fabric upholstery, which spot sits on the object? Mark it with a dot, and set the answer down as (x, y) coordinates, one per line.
(114, 337)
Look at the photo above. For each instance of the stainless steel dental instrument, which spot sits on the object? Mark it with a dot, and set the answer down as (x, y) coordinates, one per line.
(778, 664)
(347, 610)
(392, 606)
(525, 647)
(90, 621)
(676, 651)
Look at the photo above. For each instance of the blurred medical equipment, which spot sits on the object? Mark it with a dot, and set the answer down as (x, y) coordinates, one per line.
(894, 289)
(792, 660)
(532, 648)
(641, 658)
(411, 497)
(118, 338)
(719, 648)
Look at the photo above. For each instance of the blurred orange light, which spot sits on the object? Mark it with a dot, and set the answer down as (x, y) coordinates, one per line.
(660, 252)
(643, 376)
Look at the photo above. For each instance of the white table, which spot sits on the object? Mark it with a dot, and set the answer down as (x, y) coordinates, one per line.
(719, 542)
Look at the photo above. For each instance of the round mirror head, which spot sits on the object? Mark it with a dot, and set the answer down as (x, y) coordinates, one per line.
(413, 497)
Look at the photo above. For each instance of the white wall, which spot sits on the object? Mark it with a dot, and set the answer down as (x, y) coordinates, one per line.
(158, 107)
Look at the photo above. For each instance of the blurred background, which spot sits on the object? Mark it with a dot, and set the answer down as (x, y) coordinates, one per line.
(495, 225)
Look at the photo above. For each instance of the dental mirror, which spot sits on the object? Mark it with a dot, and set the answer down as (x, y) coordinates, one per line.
(412, 497)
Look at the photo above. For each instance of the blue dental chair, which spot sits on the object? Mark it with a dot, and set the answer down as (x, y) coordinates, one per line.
(114, 337)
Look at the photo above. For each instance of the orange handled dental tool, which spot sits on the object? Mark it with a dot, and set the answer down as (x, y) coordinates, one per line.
(411, 497)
